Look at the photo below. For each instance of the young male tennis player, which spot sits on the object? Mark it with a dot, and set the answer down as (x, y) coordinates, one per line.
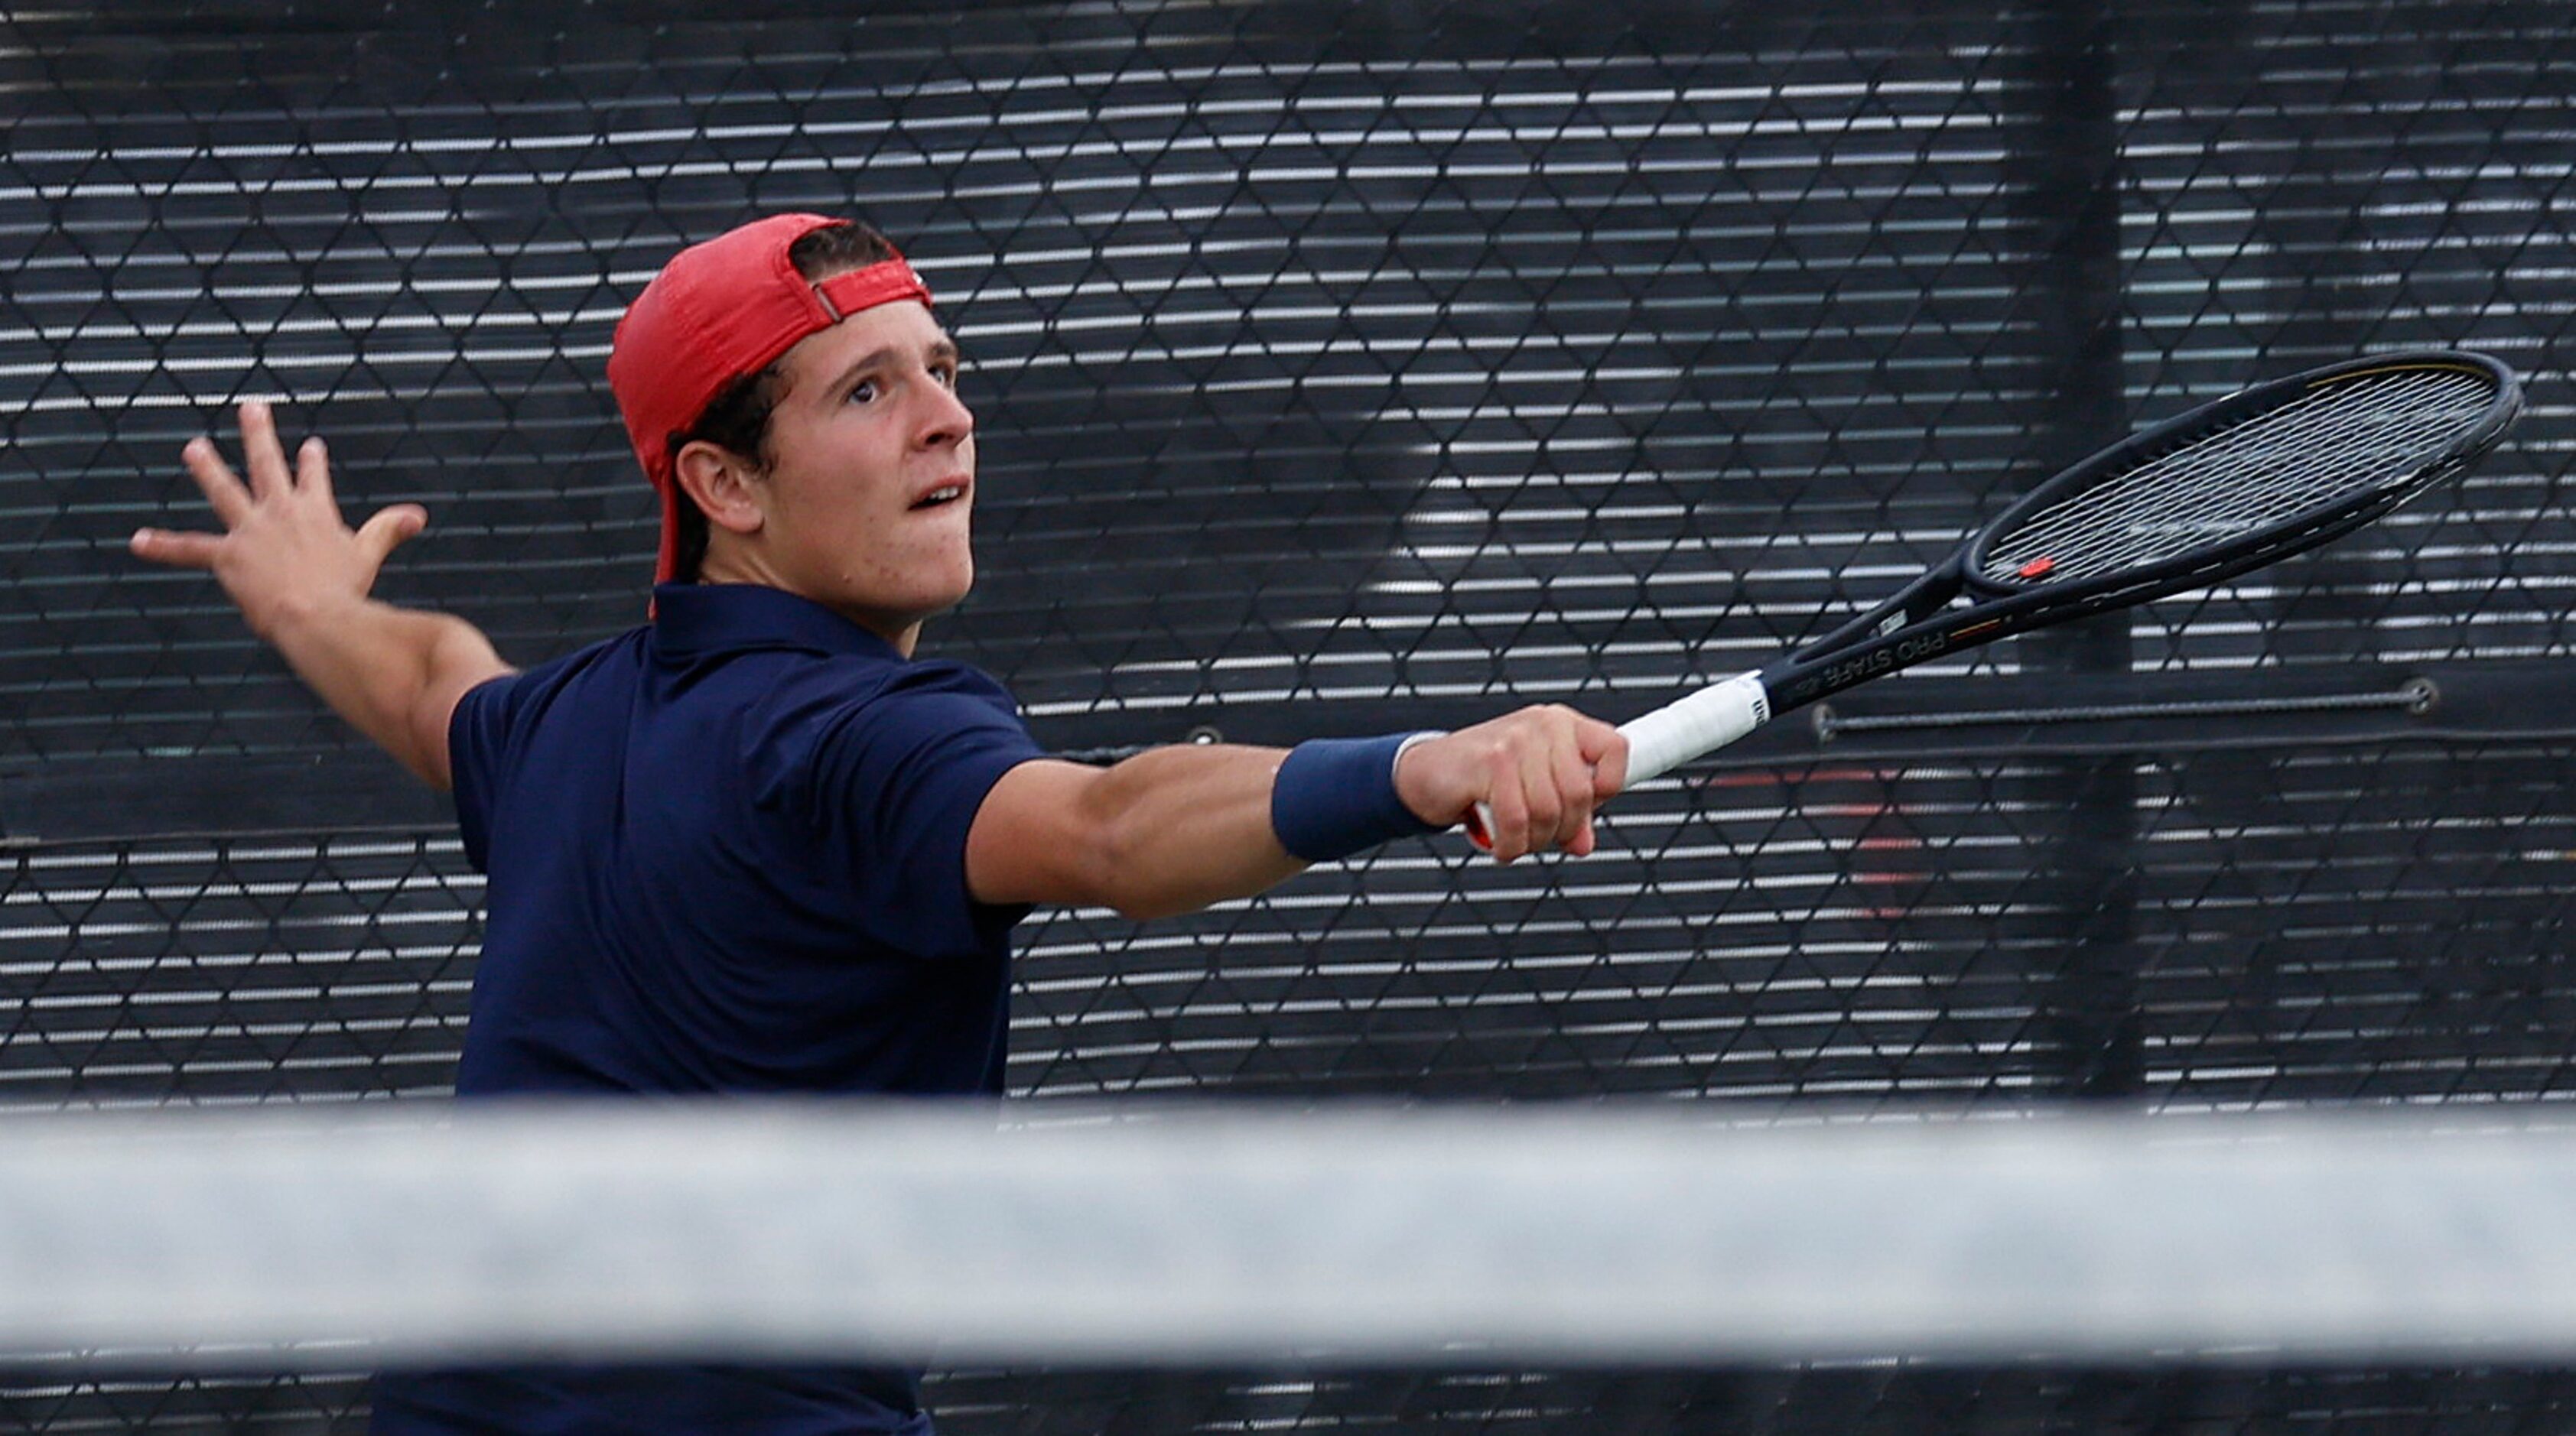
(756, 845)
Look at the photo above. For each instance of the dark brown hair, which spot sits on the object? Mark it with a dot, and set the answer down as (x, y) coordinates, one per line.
(737, 418)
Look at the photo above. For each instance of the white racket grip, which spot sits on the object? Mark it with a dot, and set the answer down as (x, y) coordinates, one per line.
(1706, 721)
(1672, 735)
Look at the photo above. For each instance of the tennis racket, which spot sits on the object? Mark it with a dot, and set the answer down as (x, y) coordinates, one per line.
(2229, 487)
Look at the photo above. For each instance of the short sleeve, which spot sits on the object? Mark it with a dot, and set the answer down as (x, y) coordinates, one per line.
(481, 739)
(898, 777)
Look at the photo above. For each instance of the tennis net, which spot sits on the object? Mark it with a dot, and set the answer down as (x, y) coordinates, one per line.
(1207, 1234)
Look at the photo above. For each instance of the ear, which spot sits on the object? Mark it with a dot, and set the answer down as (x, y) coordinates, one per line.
(724, 487)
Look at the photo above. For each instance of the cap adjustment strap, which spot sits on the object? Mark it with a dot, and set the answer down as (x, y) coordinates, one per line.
(884, 282)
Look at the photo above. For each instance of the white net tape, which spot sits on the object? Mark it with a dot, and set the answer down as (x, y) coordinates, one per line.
(285, 1239)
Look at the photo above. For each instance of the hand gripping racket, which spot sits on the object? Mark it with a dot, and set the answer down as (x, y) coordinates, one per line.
(2227, 488)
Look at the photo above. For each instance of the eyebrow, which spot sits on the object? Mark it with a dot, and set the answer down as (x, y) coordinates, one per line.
(942, 349)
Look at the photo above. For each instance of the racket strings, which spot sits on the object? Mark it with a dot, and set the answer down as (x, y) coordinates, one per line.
(2368, 447)
(2253, 475)
(2340, 440)
(2354, 438)
(2166, 505)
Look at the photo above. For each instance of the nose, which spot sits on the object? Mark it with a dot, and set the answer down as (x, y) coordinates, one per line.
(946, 422)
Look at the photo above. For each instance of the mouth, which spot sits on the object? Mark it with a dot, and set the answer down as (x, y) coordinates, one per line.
(953, 491)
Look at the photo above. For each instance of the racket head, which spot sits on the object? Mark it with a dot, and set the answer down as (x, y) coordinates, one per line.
(2245, 481)
(2167, 519)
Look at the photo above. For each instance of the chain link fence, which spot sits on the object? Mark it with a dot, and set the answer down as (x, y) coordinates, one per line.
(1339, 368)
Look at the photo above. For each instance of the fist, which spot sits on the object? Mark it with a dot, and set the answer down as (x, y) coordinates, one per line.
(1530, 780)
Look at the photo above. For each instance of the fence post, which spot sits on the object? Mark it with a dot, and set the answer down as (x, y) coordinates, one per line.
(2085, 891)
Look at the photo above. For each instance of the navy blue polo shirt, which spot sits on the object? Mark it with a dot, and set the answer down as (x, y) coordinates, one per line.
(726, 854)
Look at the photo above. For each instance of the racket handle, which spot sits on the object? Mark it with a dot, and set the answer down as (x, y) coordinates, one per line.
(1672, 735)
(1704, 722)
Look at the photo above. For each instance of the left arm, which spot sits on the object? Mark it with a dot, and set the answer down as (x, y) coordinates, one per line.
(301, 578)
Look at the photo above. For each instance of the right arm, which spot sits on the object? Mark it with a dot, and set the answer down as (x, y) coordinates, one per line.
(301, 578)
(1174, 829)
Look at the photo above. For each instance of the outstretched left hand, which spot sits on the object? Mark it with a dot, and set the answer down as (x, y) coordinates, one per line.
(284, 555)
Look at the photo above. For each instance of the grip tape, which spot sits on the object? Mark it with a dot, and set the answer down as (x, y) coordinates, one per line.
(1703, 722)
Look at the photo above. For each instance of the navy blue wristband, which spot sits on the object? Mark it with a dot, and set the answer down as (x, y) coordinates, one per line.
(1336, 796)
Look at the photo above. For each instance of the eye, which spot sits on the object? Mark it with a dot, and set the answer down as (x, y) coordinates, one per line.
(946, 374)
(864, 392)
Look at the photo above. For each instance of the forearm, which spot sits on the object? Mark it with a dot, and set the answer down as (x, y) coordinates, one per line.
(1186, 826)
(393, 673)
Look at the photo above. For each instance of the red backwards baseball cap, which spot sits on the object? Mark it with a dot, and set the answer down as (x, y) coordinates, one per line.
(716, 312)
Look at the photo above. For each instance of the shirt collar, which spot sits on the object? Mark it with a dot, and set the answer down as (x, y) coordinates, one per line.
(714, 617)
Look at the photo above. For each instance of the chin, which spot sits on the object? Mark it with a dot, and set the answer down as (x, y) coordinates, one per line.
(938, 598)
(955, 584)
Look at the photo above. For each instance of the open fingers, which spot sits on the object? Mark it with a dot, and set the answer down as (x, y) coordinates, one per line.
(389, 529)
(260, 452)
(313, 470)
(216, 480)
(181, 550)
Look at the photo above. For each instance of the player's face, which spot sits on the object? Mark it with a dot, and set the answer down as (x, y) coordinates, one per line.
(873, 472)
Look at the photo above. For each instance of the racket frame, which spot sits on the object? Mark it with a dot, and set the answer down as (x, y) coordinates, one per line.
(1918, 623)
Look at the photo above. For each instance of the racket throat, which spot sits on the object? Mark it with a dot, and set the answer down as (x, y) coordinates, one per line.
(1916, 603)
